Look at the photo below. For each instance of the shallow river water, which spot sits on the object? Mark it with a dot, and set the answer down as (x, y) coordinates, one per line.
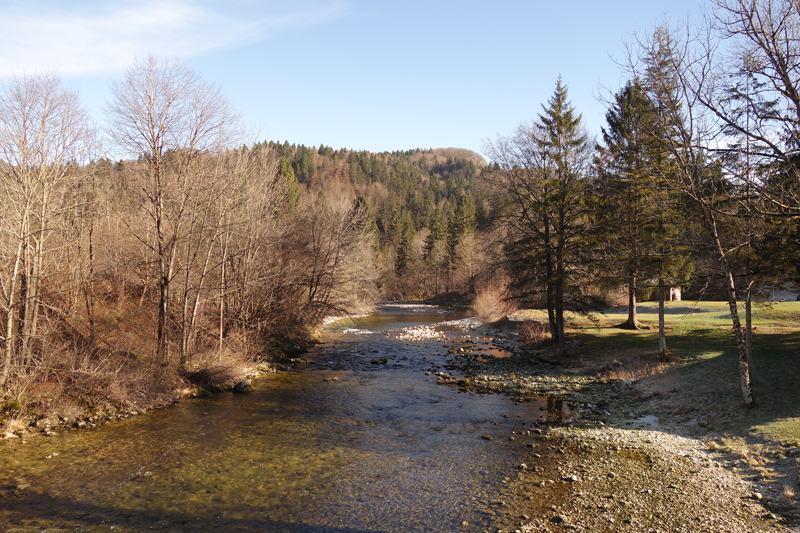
(343, 444)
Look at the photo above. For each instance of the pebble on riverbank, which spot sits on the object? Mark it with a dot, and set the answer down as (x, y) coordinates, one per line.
(616, 467)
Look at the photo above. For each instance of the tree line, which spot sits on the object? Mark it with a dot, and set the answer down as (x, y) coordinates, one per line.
(175, 249)
(426, 205)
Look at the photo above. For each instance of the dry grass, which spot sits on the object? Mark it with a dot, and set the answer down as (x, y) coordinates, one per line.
(75, 371)
(490, 305)
(214, 370)
(13, 425)
(533, 332)
(67, 378)
(636, 372)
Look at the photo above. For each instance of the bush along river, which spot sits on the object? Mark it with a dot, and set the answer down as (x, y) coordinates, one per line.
(377, 430)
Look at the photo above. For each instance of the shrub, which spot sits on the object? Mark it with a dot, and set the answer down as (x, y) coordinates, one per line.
(490, 305)
(533, 331)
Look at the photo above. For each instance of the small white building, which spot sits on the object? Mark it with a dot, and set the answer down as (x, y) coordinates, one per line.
(674, 294)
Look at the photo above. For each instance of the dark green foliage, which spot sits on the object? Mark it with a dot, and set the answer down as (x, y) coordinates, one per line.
(361, 205)
(287, 174)
(405, 253)
(640, 217)
(437, 229)
(405, 191)
(461, 223)
(303, 165)
(550, 209)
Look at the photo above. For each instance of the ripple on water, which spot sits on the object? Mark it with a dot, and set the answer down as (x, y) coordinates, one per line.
(375, 450)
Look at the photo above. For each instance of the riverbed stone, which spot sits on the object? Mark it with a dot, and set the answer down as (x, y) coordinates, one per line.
(242, 387)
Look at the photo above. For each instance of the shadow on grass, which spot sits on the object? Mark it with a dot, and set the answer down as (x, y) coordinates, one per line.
(703, 380)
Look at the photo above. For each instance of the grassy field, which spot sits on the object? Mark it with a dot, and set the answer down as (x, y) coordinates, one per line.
(698, 390)
(701, 381)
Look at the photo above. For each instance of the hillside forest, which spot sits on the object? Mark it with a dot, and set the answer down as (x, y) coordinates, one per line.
(167, 248)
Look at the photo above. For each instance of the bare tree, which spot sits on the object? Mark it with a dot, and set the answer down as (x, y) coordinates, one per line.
(44, 135)
(339, 253)
(754, 94)
(164, 114)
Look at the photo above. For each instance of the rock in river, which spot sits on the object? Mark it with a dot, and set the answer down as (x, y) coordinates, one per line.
(242, 386)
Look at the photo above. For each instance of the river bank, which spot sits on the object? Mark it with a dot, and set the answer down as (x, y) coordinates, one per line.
(617, 466)
(86, 414)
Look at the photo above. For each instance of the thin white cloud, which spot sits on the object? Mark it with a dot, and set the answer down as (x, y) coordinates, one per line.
(102, 37)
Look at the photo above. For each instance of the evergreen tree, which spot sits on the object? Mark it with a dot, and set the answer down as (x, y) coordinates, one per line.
(671, 82)
(461, 223)
(437, 226)
(544, 171)
(635, 208)
(405, 252)
(434, 253)
(290, 181)
(303, 165)
(367, 224)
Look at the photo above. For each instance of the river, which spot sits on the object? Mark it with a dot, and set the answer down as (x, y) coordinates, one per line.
(344, 443)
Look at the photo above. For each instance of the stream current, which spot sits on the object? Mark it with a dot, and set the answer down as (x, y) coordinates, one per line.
(345, 443)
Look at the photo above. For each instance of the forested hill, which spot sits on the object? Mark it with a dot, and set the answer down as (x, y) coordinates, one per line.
(399, 186)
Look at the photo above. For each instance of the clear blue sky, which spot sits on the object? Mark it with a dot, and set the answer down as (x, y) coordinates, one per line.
(369, 75)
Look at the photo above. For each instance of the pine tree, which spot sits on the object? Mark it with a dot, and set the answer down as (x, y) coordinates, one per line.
(437, 226)
(544, 170)
(362, 211)
(461, 223)
(405, 252)
(627, 183)
(671, 84)
(290, 182)
(566, 151)
(434, 254)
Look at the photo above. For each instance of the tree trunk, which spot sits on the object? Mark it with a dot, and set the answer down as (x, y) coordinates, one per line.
(550, 286)
(560, 276)
(185, 317)
(11, 302)
(191, 334)
(748, 320)
(37, 273)
(741, 347)
(222, 291)
(662, 336)
(741, 343)
(163, 318)
(632, 322)
(88, 287)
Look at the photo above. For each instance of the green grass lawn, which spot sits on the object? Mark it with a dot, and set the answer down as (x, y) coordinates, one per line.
(702, 381)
